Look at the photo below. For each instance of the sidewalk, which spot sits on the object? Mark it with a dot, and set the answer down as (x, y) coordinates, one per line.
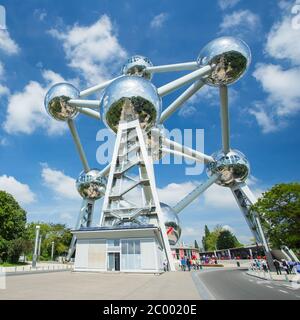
(290, 279)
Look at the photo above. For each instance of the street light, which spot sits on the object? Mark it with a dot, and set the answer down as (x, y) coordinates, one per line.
(52, 250)
(35, 253)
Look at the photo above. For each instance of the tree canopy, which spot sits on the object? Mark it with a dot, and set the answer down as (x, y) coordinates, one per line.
(279, 210)
(219, 238)
(12, 228)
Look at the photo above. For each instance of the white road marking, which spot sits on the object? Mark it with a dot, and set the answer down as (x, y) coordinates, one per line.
(250, 280)
(269, 287)
(283, 291)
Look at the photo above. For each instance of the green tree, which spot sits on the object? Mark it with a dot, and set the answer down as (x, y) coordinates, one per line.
(279, 210)
(226, 240)
(12, 228)
(196, 244)
(50, 232)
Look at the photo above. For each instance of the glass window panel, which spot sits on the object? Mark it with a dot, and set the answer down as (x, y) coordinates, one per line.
(130, 247)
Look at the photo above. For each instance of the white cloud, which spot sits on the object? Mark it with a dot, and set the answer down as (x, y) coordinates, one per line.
(20, 191)
(4, 91)
(166, 194)
(218, 197)
(94, 51)
(240, 22)
(283, 41)
(62, 185)
(158, 21)
(283, 95)
(281, 84)
(26, 112)
(7, 44)
(227, 4)
(229, 228)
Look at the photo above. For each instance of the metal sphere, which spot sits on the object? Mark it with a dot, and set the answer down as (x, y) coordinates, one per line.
(172, 223)
(233, 166)
(91, 185)
(136, 66)
(56, 101)
(129, 98)
(231, 57)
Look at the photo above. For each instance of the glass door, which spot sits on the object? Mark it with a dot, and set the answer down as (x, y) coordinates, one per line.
(113, 261)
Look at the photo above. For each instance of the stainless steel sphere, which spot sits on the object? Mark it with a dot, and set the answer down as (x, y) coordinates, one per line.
(136, 66)
(56, 101)
(233, 166)
(129, 98)
(231, 58)
(91, 185)
(172, 223)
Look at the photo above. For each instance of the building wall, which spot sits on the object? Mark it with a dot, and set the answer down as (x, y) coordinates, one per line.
(136, 254)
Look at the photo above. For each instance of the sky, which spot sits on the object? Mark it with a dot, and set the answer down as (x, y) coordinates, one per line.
(88, 42)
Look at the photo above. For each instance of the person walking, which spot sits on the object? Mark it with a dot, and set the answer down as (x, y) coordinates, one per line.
(183, 264)
(285, 266)
(277, 266)
(188, 263)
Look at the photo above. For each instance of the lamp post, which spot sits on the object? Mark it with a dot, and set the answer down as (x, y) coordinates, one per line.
(52, 250)
(35, 253)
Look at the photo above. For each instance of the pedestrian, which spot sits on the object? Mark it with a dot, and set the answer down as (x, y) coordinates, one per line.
(182, 264)
(285, 266)
(264, 265)
(188, 263)
(277, 266)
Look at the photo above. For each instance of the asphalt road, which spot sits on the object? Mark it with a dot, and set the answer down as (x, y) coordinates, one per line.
(237, 285)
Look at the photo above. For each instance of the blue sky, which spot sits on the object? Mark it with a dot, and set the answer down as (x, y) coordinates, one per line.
(86, 43)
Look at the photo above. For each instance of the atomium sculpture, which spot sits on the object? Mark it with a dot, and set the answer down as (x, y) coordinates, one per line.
(131, 106)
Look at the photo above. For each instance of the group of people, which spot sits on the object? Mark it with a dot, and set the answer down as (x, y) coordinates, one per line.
(188, 264)
(290, 267)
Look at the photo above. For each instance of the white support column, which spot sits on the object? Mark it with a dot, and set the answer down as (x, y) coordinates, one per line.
(174, 67)
(173, 85)
(94, 104)
(89, 112)
(181, 100)
(245, 198)
(195, 194)
(186, 150)
(78, 144)
(225, 118)
(96, 88)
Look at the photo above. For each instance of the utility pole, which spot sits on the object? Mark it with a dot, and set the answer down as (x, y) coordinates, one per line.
(35, 253)
(52, 250)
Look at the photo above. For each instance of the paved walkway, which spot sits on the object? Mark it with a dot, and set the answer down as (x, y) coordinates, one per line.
(100, 286)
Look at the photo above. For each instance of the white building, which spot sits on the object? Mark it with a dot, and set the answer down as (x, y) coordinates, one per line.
(126, 249)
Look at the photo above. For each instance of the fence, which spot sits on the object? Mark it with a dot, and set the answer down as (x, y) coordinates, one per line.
(29, 268)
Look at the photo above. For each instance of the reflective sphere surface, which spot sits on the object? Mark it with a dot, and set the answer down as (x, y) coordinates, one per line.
(90, 185)
(172, 223)
(129, 98)
(56, 101)
(136, 66)
(231, 58)
(234, 167)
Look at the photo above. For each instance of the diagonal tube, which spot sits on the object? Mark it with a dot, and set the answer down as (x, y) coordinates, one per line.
(195, 193)
(174, 67)
(78, 144)
(181, 100)
(173, 85)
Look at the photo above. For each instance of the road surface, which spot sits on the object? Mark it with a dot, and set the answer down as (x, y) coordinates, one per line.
(235, 284)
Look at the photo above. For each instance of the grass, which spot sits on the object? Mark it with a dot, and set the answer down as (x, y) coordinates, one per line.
(7, 264)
